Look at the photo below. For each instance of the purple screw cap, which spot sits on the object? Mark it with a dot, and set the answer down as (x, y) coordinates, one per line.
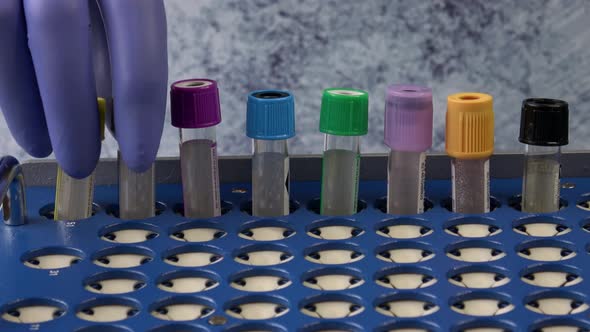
(194, 103)
(408, 118)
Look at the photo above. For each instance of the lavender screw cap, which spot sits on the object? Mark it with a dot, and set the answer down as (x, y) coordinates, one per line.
(194, 103)
(408, 118)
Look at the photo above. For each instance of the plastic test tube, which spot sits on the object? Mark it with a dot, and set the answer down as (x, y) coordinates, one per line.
(544, 129)
(270, 123)
(408, 132)
(196, 111)
(74, 197)
(343, 119)
(470, 142)
(136, 192)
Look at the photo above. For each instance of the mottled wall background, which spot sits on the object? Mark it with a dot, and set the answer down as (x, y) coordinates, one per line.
(510, 49)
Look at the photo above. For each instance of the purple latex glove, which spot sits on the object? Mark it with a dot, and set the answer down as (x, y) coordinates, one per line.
(49, 83)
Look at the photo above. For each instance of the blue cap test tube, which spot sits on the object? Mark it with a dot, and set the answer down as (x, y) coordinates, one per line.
(270, 123)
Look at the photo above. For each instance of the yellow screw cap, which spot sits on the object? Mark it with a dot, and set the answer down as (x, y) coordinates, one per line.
(470, 125)
(102, 109)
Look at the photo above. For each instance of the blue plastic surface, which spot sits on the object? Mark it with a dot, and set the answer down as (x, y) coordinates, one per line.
(18, 281)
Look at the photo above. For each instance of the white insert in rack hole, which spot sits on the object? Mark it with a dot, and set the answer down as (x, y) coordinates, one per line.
(193, 259)
(257, 310)
(106, 313)
(198, 234)
(129, 236)
(557, 306)
(473, 230)
(552, 279)
(335, 232)
(476, 255)
(332, 309)
(333, 282)
(406, 255)
(32, 314)
(479, 280)
(482, 307)
(266, 233)
(114, 286)
(404, 231)
(542, 229)
(122, 260)
(260, 283)
(547, 254)
(50, 262)
(263, 258)
(406, 281)
(334, 256)
(182, 312)
(485, 329)
(561, 328)
(407, 308)
(187, 285)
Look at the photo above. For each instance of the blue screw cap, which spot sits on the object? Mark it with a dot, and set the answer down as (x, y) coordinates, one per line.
(270, 115)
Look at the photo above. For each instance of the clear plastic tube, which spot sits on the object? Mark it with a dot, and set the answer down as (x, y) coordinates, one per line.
(136, 192)
(405, 173)
(200, 174)
(270, 178)
(471, 185)
(340, 175)
(73, 197)
(540, 186)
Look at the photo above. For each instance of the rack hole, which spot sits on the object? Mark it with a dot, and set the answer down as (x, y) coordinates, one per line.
(478, 277)
(113, 209)
(257, 307)
(472, 227)
(106, 310)
(263, 255)
(332, 327)
(551, 275)
(541, 226)
(447, 203)
(255, 326)
(482, 304)
(48, 210)
(476, 251)
(260, 280)
(192, 255)
(410, 326)
(546, 250)
(246, 207)
(33, 311)
(115, 282)
(175, 328)
(406, 306)
(557, 303)
(122, 257)
(129, 232)
(334, 253)
(103, 328)
(334, 229)
(52, 258)
(266, 230)
(485, 325)
(197, 231)
(405, 252)
(332, 279)
(515, 202)
(187, 281)
(404, 228)
(332, 306)
(405, 277)
(560, 325)
(182, 308)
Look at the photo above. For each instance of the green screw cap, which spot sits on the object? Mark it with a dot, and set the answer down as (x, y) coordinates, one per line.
(345, 112)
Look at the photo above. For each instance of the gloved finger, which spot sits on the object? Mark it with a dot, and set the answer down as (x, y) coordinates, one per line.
(59, 40)
(136, 34)
(101, 60)
(19, 95)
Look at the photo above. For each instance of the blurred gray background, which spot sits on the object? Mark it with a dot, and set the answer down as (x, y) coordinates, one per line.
(509, 49)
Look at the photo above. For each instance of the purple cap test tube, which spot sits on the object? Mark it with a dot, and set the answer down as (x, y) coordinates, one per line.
(408, 132)
(195, 110)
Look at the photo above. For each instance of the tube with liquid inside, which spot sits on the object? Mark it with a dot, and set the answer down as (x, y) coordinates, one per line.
(74, 197)
(137, 196)
(408, 132)
(343, 119)
(196, 111)
(543, 130)
(270, 123)
(470, 143)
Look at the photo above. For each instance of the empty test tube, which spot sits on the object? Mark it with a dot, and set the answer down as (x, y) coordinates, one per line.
(73, 197)
(270, 123)
(408, 132)
(543, 130)
(196, 111)
(470, 142)
(343, 119)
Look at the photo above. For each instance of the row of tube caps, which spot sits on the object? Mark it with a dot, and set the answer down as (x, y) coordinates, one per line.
(344, 119)
(196, 111)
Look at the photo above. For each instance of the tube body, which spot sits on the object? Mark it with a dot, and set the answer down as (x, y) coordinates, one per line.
(540, 186)
(200, 173)
(270, 178)
(471, 185)
(73, 197)
(136, 192)
(405, 182)
(340, 175)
